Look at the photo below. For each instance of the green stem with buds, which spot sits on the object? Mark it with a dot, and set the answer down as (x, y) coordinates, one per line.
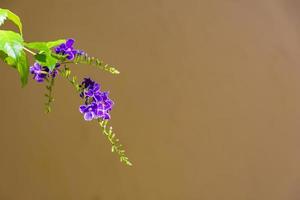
(49, 96)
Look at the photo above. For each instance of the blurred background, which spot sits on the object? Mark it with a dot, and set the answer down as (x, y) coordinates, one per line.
(207, 103)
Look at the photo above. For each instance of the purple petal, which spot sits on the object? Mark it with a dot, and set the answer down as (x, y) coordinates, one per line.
(100, 113)
(89, 93)
(88, 116)
(82, 108)
(96, 87)
(70, 42)
(70, 56)
(106, 116)
(98, 97)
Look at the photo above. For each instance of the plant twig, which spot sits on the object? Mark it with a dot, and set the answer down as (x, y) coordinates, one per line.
(29, 51)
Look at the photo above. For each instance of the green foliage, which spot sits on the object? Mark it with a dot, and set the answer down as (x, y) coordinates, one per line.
(45, 57)
(85, 59)
(5, 13)
(44, 46)
(11, 47)
(11, 43)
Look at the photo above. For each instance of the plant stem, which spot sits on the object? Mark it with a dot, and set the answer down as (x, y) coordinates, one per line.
(29, 51)
(49, 87)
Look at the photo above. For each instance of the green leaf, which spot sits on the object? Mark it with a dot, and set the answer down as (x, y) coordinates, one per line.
(55, 43)
(11, 52)
(11, 43)
(23, 69)
(5, 13)
(46, 59)
(40, 46)
(11, 48)
(44, 46)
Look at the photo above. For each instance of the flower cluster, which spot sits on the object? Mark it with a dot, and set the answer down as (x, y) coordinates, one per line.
(68, 49)
(40, 73)
(97, 104)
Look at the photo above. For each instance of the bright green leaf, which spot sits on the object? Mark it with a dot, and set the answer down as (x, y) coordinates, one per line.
(11, 48)
(55, 43)
(11, 43)
(45, 57)
(40, 46)
(5, 13)
(44, 46)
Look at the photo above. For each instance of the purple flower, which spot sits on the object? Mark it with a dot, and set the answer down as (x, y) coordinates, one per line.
(97, 103)
(68, 49)
(88, 111)
(91, 89)
(88, 83)
(102, 112)
(39, 72)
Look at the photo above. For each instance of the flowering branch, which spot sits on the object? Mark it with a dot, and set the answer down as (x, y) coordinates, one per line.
(49, 57)
(116, 146)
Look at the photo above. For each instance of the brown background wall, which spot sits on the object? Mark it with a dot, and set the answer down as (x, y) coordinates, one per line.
(207, 104)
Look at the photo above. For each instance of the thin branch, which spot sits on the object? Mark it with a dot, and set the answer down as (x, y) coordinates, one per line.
(29, 51)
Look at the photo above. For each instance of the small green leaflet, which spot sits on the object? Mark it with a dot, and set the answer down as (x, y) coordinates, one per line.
(5, 13)
(45, 56)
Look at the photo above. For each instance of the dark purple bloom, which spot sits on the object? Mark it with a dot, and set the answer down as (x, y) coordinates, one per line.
(68, 49)
(91, 89)
(88, 83)
(39, 72)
